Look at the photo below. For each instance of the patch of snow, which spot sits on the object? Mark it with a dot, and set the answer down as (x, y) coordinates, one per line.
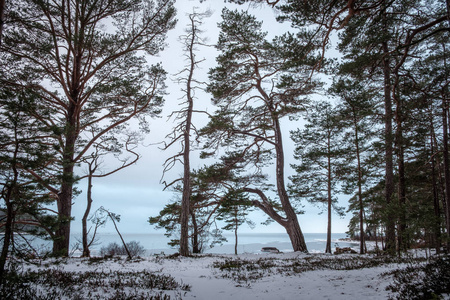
(207, 283)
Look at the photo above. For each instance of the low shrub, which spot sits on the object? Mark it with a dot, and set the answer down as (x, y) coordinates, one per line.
(135, 248)
(424, 281)
(247, 271)
(112, 249)
(59, 284)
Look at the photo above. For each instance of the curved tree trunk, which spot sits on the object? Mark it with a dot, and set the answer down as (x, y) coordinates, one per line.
(290, 221)
(296, 235)
(292, 226)
(86, 251)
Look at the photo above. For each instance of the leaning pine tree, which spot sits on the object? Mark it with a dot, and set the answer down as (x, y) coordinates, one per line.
(256, 84)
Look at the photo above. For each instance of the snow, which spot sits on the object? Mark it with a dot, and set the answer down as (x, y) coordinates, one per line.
(209, 282)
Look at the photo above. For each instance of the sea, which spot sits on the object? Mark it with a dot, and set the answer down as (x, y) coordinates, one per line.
(156, 243)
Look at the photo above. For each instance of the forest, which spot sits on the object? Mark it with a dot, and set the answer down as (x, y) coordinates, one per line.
(80, 81)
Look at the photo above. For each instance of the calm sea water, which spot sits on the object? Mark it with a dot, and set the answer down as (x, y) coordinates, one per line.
(156, 243)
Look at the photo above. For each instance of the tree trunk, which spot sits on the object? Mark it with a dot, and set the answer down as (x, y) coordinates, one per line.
(296, 236)
(7, 233)
(362, 235)
(10, 194)
(446, 165)
(185, 208)
(86, 251)
(185, 202)
(195, 234)
(328, 245)
(448, 10)
(445, 121)
(236, 237)
(112, 217)
(61, 241)
(2, 19)
(389, 165)
(437, 211)
(291, 221)
(402, 239)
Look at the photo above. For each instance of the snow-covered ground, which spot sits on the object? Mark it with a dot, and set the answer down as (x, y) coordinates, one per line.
(268, 280)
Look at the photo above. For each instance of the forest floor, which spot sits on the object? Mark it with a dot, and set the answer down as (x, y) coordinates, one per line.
(245, 276)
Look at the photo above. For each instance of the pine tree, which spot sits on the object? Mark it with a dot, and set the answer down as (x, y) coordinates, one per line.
(23, 202)
(320, 153)
(233, 211)
(255, 85)
(82, 59)
(185, 131)
(356, 108)
(210, 187)
(375, 47)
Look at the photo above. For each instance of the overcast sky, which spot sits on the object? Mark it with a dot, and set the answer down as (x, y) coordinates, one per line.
(136, 192)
